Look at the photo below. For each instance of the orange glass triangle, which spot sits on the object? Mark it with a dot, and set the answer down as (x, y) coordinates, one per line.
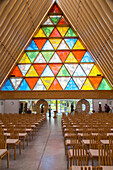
(55, 85)
(17, 72)
(95, 81)
(40, 43)
(55, 68)
(78, 55)
(39, 68)
(55, 33)
(62, 22)
(63, 55)
(31, 82)
(55, 9)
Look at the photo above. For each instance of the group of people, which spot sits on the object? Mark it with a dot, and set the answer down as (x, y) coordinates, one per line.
(106, 108)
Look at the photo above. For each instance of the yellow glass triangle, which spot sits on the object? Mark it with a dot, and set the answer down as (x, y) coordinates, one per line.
(55, 42)
(40, 33)
(95, 71)
(71, 58)
(78, 45)
(62, 30)
(87, 85)
(47, 81)
(25, 59)
(32, 72)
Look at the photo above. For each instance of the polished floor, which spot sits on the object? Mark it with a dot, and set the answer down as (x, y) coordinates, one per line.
(44, 152)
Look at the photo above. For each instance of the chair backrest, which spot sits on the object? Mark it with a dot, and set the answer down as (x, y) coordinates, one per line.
(93, 142)
(14, 135)
(2, 142)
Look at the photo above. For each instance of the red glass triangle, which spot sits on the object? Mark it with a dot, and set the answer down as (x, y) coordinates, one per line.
(95, 81)
(31, 82)
(40, 42)
(55, 68)
(55, 9)
(55, 85)
(39, 68)
(55, 33)
(63, 55)
(62, 22)
(78, 55)
(17, 72)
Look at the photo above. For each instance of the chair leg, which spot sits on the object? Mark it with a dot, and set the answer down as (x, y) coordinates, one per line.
(20, 147)
(15, 152)
(67, 161)
(8, 159)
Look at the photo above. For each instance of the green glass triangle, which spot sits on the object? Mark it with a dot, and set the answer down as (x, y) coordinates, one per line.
(47, 55)
(63, 72)
(70, 33)
(47, 30)
(105, 85)
(55, 19)
(32, 55)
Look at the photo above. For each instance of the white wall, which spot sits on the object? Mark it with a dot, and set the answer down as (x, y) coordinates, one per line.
(11, 106)
(2, 105)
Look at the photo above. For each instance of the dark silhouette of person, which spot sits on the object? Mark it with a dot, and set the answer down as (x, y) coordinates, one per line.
(100, 108)
(72, 108)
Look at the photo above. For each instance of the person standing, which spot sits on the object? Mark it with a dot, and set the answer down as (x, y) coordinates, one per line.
(100, 108)
(107, 108)
(72, 108)
(49, 108)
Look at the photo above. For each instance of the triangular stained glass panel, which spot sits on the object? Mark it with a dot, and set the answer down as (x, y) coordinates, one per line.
(95, 81)
(48, 22)
(63, 46)
(55, 18)
(63, 81)
(32, 46)
(105, 85)
(24, 68)
(47, 30)
(39, 68)
(63, 55)
(31, 82)
(55, 59)
(71, 42)
(62, 21)
(24, 86)
(39, 85)
(16, 72)
(55, 68)
(63, 72)
(40, 59)
(79, 81)
(62, 30)
(47, 72)
(78, 45)
(87, 68)
(40, 43)
(32, 55)
(47, 55)
(40, 33)
(71, 85)
(71, 33)
(7, 86)
(55, 85)
(16, 82)
(47, 46)
(71, 68)
(78, 55)
(55, 33)
(55, 42)
(95, 71)
(87, 58)
(79, 72)
(24, 59)
(55, 9)
(47, 81)
(87, 85)
(71, 58)
(32, 72)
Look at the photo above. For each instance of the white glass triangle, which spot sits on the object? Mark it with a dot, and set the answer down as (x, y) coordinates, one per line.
(63, 81)
(39, 85)
(87, 68)
(79, 72)
(47, 72)
(79, 81)
(48, 22)
(71, 68)
(47, 46)
(40, 59)
(24, 68)
(16, 82)
(55, 59)
(63, 46)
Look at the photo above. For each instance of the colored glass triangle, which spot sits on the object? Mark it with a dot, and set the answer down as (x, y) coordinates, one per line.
(63, 81)
(63, 46)
(70, 42)
(71, 85)
(87, 68)
(71, 68)
(47, 30)
(87, 58)
(47, 81)
(40, 59)
(40, 33)
(71, 58)
(47, 46)
(78, 45)
(95, 81)
(47, 72)
(55, 85)
(48, 22)
(16, 82)
(40, 43)
(32, 72)
(55, 9)
(105, 85)
(79, 81)
(24, 59)
(39, 68)
(62, 30)
(39, 85)
(95, 71)
(31, 82)
(7, 86)
(24, 86)
(55, 42)
(24, 68)
(79, 71)
(47, 55)
(55, 68)
(62, 21)
(16, 72)
(55, 18)
(55, 59)
(63, 72)
(63, 55)
(71, 33)
(55, 33)
(78, 55)
(32, 46)
(32, 55)
(87, 85)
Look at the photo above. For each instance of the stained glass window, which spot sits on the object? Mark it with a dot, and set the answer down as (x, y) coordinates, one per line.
(56, 59)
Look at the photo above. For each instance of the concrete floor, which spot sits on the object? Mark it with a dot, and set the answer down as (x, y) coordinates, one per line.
(44, 152)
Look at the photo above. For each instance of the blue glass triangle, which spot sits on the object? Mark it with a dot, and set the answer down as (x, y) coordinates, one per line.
(79, 72)
(47, 46)
(32, 46)
(47, 72)
(71, 42)
(24, 86)
(87, 58)
(8, 86)
(71, 85)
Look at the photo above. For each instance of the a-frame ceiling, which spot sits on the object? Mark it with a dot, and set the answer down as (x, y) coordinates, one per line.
(91, 18)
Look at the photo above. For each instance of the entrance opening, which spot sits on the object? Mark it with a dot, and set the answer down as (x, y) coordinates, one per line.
(83, 107)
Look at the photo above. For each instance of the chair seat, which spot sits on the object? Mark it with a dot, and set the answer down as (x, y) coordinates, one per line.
(70, 142)
(93, 152)
(2, 152)
(70, 153)
(12, 141)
